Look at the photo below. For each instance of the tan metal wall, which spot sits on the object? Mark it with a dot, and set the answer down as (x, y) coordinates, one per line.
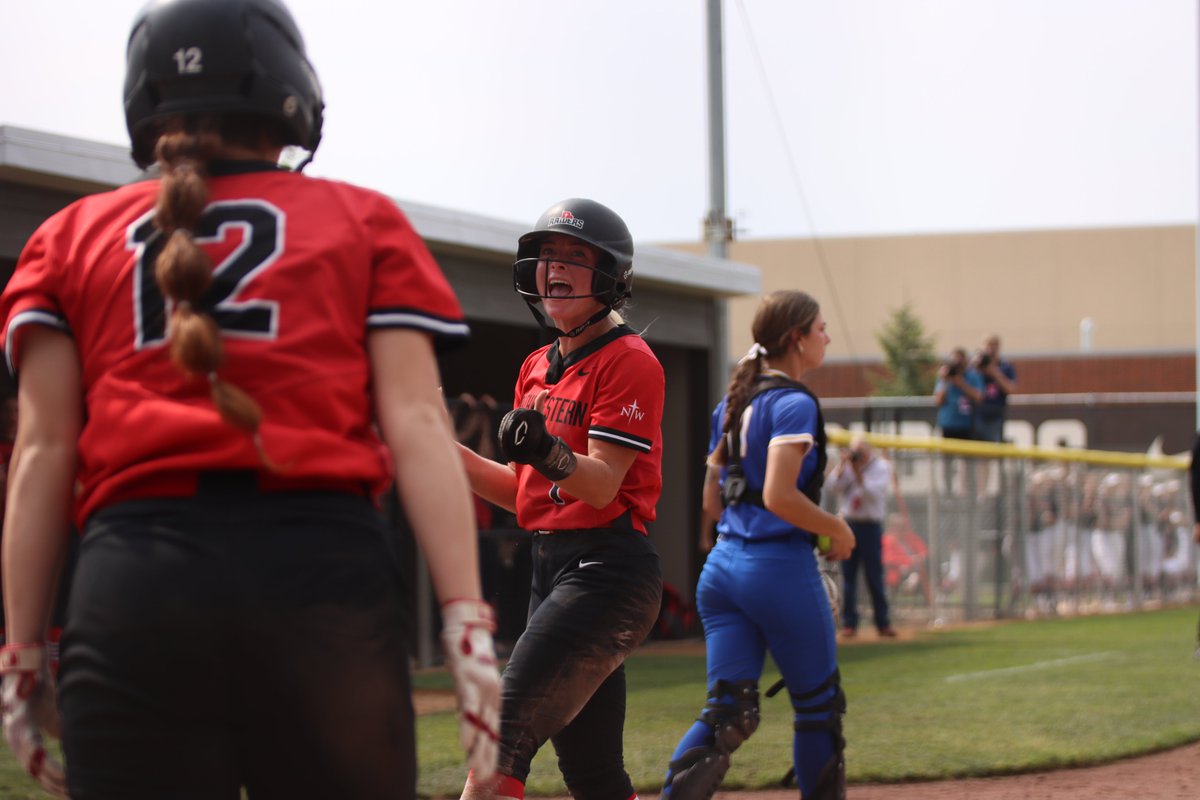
(1032, 287)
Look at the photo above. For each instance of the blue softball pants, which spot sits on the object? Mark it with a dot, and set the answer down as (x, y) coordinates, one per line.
(760, 596)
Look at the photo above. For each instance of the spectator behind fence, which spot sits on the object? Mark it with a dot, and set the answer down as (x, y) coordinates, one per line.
(860, 483)
(958, 391)
(999, 381)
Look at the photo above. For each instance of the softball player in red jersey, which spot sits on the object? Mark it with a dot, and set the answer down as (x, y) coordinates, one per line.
(585, 452)
(207, 357)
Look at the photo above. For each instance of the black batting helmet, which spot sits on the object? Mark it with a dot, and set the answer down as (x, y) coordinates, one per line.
(188, 57)
(591, 222)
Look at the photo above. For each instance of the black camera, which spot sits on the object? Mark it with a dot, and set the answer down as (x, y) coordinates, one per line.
(984, 360)
(953, 368)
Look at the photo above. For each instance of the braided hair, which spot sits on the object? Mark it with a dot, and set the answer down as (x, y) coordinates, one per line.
(184, 272)
(782, 317)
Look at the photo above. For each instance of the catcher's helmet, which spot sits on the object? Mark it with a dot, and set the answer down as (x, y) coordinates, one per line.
(219, 56)
(591, 222)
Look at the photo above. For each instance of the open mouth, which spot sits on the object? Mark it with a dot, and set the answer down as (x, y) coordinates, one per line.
(559, 288)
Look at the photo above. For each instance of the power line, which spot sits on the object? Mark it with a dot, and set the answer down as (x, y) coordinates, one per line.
(795, 173)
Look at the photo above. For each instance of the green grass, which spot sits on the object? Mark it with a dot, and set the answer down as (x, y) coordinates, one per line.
(14, 783)
(986, 700)
(975, 701)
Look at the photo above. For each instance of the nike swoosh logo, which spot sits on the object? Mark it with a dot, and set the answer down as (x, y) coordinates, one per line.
(582, 372)
(589, 563)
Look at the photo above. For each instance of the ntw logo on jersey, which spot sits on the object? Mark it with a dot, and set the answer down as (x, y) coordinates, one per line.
(633, 412)
(567, 218)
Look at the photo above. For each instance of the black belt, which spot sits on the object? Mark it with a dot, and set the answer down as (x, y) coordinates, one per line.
(623, 522)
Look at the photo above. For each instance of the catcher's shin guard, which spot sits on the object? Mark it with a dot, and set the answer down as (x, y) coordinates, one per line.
(732, 713)
(831, 782)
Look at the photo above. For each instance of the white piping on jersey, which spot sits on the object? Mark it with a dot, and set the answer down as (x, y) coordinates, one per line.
(805, 439)
(25, 318)
(609, 436)
(401, 319)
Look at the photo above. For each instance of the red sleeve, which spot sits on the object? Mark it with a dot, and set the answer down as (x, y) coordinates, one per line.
(31, 294)
(629, 403)
(408, 288)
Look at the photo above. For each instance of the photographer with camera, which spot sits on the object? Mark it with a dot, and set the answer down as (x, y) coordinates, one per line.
(999, 381)
(958, 392)
(860, 482)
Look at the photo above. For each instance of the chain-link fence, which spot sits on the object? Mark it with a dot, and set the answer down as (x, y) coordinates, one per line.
(984, 531)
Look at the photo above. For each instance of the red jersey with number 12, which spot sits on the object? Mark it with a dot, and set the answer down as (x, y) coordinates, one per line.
(304, 268)
(610, 390)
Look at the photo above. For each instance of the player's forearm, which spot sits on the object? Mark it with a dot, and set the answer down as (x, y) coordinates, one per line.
(594, 481)
(430, 479)
(36, 527)
(598, 476)
(491, 480)
(711, 494)
(793, 506)
(433, 489)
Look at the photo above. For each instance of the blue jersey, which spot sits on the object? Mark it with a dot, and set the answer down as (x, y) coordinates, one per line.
(957, 411)
(774, 417)
(760, 590)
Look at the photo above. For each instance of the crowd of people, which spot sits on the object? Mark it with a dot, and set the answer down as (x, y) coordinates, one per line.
(1091, 528)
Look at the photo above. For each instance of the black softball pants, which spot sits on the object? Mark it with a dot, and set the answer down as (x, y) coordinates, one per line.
(595, 596)
(238, 639)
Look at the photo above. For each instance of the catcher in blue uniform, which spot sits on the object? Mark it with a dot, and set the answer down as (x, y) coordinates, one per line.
(760, 588)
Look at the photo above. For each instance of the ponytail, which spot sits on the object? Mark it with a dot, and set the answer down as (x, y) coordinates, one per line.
(737, 395)
(184, 273)
(780, 318)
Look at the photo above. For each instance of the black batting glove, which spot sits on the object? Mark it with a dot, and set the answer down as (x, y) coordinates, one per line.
(525, 440)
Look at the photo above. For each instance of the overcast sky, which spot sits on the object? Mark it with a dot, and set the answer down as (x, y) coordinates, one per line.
(848, 117)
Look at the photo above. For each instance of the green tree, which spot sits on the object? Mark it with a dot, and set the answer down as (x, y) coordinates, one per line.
(910, 358)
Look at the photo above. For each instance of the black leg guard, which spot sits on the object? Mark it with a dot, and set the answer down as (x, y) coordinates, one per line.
(831, 783)
(697, 773)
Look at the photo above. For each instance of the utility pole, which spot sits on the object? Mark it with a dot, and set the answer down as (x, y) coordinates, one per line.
(718, 228)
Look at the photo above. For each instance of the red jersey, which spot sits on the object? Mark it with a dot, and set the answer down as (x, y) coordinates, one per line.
(612, 390)
(303, 268)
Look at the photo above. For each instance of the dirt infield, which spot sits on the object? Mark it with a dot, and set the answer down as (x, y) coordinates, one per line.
(433, 702)
(1171, 775)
